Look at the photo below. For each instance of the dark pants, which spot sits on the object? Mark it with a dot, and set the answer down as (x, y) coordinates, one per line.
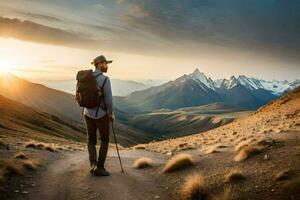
(92, 125)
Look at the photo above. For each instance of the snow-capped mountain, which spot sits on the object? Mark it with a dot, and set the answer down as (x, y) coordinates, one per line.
(218, 82)
(197, 89)
(201, 77)
(279, 87)
(275, 87)
(228, 84)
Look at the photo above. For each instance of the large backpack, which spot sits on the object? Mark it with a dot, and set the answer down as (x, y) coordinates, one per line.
(87, 93)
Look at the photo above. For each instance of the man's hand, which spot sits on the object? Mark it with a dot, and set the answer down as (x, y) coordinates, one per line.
(112, 117)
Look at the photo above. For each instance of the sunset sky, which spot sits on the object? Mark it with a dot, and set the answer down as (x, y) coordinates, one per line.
(151, 39)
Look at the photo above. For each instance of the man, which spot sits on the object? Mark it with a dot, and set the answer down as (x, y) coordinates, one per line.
(99, 118)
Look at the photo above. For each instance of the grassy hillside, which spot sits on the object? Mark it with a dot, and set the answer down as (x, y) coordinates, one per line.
(185, 121)
(22, 122)
(39, 97)
(280, 115)
(254, 157)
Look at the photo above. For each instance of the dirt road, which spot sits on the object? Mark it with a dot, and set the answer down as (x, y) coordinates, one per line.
(69, 178)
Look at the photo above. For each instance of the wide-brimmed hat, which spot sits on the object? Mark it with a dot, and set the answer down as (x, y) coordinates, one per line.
(99, 59)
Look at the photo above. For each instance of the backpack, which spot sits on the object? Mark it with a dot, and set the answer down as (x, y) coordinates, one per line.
(87, 93)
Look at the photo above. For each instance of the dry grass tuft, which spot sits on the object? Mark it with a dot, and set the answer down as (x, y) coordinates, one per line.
(14, 167)
(244, 144)
(31, 144)
(143, 162)
(31, 164)
(34, 144)
(179, 161)
(140, 146)
(284, 175)
(21, 156)
(41, 145)
(185, 147)
(247, 152)
(193, 188)
(50, 148)
(214, 148)
(233, 176)
(11, 167)
(240, 146)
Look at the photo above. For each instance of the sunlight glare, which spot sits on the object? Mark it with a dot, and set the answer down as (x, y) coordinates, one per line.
(5, 67)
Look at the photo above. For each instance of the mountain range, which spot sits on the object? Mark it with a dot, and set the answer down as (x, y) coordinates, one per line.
(197, 89)
(189, 104)
(119, 87)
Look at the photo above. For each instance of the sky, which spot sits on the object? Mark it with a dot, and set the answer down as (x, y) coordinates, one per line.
(151, 39)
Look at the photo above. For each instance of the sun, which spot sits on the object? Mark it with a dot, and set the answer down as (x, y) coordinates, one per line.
(5, 67)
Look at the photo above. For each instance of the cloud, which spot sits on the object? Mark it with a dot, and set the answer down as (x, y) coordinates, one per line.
(40, 16)
(166, 27)
(98, 6)
(225, 23)
(34, 32)
(138, 11)
(120, 1)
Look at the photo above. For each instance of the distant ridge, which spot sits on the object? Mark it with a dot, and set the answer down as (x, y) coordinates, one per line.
(197, 89)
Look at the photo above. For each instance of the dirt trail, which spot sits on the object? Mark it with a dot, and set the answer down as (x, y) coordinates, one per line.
(65, 175)
(69, 178)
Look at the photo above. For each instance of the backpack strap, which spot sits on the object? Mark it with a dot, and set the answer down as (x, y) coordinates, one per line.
(98, 75)
(104, 108)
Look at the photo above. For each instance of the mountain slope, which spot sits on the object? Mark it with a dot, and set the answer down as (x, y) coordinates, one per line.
(186, 91)
(279, 116)
(18, 120)
(242, 93)
(61, 104)
(39, 97)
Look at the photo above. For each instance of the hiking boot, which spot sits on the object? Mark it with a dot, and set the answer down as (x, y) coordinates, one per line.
(100, 171)
(92, 169)
(93, 165)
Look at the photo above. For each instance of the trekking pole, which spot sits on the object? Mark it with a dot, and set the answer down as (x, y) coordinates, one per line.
(112, 124)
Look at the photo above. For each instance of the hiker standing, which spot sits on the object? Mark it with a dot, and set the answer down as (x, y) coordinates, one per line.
(97, 112)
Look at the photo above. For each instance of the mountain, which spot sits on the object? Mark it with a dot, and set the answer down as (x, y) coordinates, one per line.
(119, 87)
(197, 89)
(244, 92)
(276, 87)
(277, 119)
(279, 87)
(188, 90)
(19, 120)
(60, 104)
(39, 97)
(125, 87)
(151, 82)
